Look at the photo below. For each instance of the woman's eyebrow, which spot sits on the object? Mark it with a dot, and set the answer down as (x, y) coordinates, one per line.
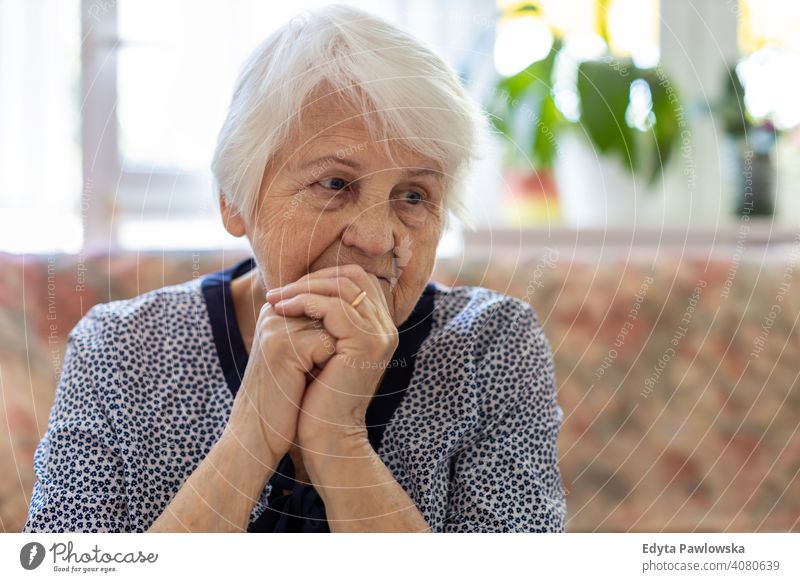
(324, 162)
(414, 172)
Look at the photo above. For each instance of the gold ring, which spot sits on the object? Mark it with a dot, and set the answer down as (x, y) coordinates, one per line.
(357, 301)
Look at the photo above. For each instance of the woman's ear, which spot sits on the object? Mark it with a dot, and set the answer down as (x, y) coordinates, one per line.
(230, 217)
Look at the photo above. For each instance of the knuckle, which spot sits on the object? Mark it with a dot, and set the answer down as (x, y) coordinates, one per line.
(265, 312)
(267, 323)
(274, 345)
(344, 279)
(391, 341)
(353, 271)
(273, 341)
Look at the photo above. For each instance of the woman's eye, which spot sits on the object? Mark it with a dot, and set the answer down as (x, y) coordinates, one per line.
(413, 197)
(334, 184)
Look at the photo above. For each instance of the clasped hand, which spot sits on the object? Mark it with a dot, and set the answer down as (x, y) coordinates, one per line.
(316, 361)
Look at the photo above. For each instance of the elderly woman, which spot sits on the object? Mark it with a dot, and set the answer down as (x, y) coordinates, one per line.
(326, 384)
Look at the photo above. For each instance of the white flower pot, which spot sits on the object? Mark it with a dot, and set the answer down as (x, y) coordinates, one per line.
(597, 191)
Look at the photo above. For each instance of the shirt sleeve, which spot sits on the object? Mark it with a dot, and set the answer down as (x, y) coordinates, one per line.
(507, 479)
(79, 474)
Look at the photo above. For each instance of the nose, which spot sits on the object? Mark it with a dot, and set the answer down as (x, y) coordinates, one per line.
(371, 231)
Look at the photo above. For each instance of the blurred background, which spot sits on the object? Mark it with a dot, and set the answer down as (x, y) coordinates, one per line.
(641, 189)
(609, 113)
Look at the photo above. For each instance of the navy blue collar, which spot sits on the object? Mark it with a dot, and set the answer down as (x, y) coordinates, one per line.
(227, 336)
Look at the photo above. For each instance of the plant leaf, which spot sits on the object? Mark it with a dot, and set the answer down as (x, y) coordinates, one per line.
(604, 92)
(545, 133)
(522, 108)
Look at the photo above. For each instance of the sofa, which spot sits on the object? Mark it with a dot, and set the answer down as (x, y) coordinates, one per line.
(677, 375)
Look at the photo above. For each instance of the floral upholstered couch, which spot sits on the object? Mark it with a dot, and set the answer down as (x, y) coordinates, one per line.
(679, 379)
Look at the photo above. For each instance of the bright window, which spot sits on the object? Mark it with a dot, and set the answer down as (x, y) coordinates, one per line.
(525, 28)
(769, 38)
(40, 155)
(108, 123)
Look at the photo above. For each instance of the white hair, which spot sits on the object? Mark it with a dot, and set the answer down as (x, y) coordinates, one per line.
(376, 67)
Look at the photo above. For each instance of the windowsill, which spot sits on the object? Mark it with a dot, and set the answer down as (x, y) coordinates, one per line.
(753, 235)
(201, 234)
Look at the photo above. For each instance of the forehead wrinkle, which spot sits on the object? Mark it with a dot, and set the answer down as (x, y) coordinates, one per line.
(331, 147)
(329, 160)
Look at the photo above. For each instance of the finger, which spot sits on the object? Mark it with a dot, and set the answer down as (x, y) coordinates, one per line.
(337, 315)
(308, 347)
(343, 287)
(272, 320)
(365, 281)
(315, 350)
(334, 287)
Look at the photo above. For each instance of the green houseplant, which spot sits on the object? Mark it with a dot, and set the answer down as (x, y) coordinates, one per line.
(524, 109)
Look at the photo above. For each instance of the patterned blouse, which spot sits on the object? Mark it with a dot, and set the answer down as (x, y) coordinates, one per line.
(466, 417)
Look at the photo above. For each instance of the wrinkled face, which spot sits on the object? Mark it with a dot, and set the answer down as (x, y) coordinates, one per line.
(333, 197)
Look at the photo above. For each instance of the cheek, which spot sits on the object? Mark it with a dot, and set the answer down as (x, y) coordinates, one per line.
(416, 265)
(416, 274)
(416, 248)
(289, 242)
